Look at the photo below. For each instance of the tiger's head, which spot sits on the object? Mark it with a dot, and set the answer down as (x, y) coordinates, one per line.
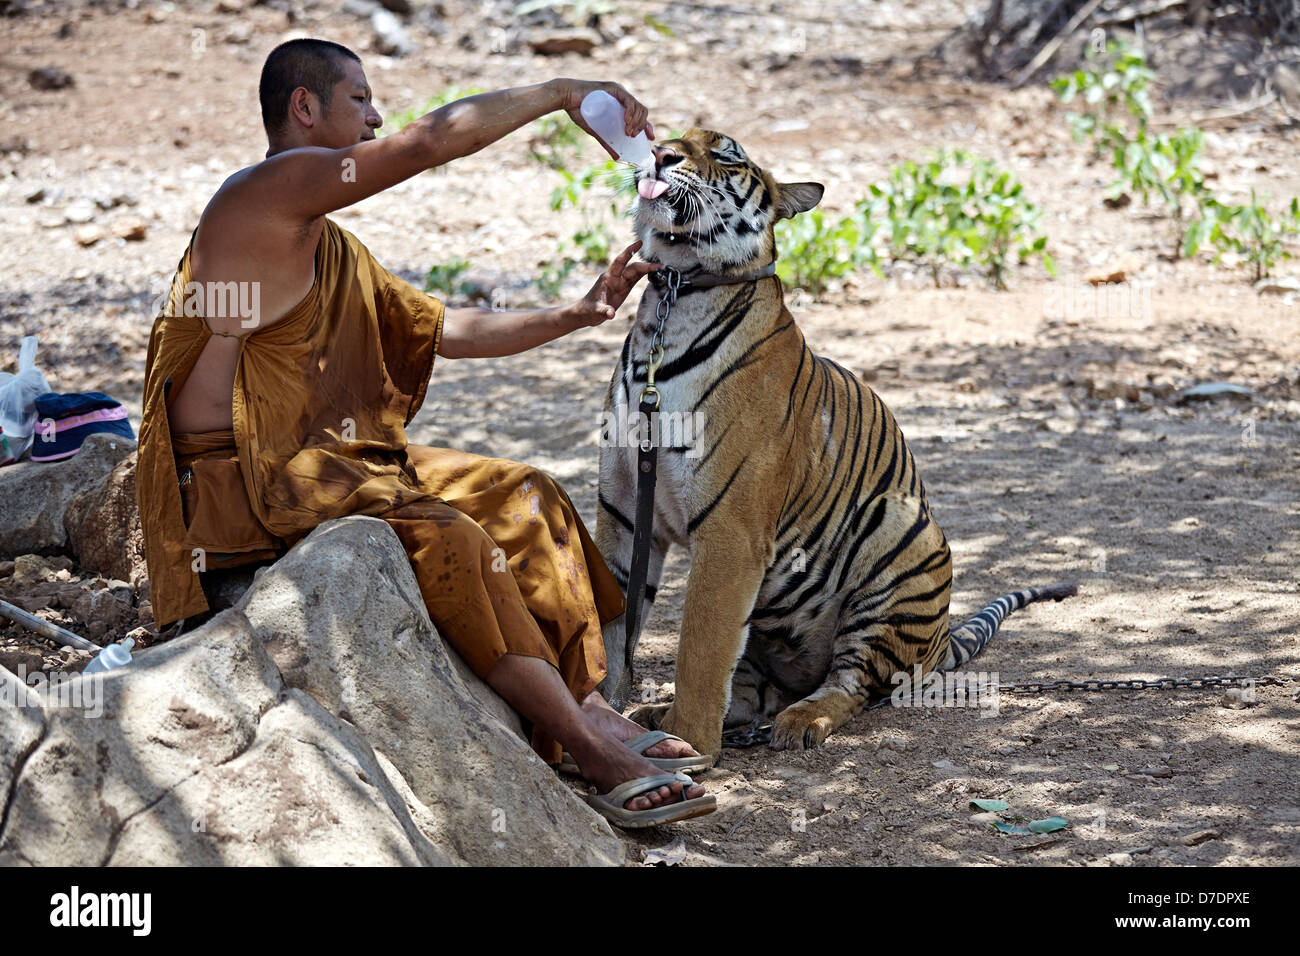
(704, 202)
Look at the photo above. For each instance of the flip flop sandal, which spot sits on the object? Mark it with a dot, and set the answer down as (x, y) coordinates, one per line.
(610, 805)
(640, 745)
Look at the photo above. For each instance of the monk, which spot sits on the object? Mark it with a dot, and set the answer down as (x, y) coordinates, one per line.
(286, 365)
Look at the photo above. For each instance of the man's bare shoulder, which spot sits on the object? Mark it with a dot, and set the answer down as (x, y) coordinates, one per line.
(241, 209)
(245, 239)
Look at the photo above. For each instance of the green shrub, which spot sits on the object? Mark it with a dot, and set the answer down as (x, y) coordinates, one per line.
(809, 252)
(446, 279)
(960, 210)
(1247, 230)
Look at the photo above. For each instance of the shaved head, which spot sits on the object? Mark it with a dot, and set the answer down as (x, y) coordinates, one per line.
(315, 65)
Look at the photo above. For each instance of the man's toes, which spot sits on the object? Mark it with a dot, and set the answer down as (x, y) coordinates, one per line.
(650, 799)
(671, 749)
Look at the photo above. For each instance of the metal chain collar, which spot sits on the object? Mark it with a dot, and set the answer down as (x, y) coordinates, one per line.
(667, 300)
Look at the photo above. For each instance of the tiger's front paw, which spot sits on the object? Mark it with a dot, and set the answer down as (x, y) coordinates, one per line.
(800, 727)
(649, 716)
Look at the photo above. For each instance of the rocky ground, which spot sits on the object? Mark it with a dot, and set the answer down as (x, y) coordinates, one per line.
(1051, 423)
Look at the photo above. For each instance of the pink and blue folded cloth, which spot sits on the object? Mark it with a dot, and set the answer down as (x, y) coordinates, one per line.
(64, 421)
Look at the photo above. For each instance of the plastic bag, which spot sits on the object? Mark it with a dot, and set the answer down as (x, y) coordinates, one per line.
(18, 403)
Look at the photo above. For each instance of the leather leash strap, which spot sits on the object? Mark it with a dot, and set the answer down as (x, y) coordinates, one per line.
(668, 280)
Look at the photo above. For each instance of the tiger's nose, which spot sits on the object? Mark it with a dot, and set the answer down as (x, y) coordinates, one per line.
(662, 154)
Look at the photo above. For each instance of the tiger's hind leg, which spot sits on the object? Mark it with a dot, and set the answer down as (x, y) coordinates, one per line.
(896, 617)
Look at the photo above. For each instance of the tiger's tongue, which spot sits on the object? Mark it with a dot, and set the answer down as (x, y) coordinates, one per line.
(651, 188)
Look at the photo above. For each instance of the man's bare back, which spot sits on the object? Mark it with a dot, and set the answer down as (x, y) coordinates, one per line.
(284, 274)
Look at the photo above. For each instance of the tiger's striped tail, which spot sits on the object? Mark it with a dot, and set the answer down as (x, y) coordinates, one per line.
(969, 639)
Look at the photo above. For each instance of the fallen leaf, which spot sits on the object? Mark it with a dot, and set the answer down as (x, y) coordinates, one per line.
(995, 806)
(1050, 825)
(671, 854)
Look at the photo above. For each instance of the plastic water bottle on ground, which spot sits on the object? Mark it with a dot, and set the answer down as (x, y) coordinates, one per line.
(113, 655)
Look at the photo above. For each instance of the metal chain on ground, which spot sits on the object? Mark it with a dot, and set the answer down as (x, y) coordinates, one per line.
(1162, 683)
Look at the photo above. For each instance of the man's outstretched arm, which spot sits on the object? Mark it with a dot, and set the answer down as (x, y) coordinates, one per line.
(310, 181)
(486, 333)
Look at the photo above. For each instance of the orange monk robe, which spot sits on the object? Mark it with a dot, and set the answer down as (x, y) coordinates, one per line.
(321, 400)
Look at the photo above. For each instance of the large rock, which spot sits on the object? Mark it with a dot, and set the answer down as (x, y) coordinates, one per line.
(200, 755)
(342, 617)
(34, 495)
(322, 721)
(103, 527)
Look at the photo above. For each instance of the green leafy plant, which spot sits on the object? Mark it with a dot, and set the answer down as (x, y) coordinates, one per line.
(445, 279)
(810, 252)
(1248, 231)
(1167, 165)
(1115, 88)
(953, 209)
(960, 210)
(555, 139)
(596, 192)
(1113, 84)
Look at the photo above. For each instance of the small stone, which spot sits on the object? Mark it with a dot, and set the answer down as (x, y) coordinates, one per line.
(88, 235)
(50, 78)
(1161, 772)
(34, 196)
(140, 635)
(1235, 699)
(29, 659)
(892, 743)
(79, 212)
(132, 230)
(1198, 837)
(566, 41)
(1210, 391)
(1278, 286)
(1118, 270)
(390, 37)
(29, 569)
(1119, 859)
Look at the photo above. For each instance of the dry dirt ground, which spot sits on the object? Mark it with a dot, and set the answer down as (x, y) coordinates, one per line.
(1047, 426)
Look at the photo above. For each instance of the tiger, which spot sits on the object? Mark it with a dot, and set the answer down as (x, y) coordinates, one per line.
(817, 570)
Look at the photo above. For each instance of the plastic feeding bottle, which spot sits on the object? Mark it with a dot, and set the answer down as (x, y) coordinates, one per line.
(604, 115)
(113, 655)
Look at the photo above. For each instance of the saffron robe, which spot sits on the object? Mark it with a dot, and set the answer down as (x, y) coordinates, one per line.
(320, 403)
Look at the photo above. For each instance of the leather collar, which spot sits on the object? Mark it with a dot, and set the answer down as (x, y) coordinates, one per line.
(659, 278)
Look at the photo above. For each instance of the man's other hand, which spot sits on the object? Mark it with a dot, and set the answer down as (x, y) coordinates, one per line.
(611, 289)
(634, 112)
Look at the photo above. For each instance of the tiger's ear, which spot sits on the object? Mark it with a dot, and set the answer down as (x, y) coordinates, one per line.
(794, 198)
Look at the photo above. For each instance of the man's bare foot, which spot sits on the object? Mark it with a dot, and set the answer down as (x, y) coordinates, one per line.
(608, 763)
(607, 720)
